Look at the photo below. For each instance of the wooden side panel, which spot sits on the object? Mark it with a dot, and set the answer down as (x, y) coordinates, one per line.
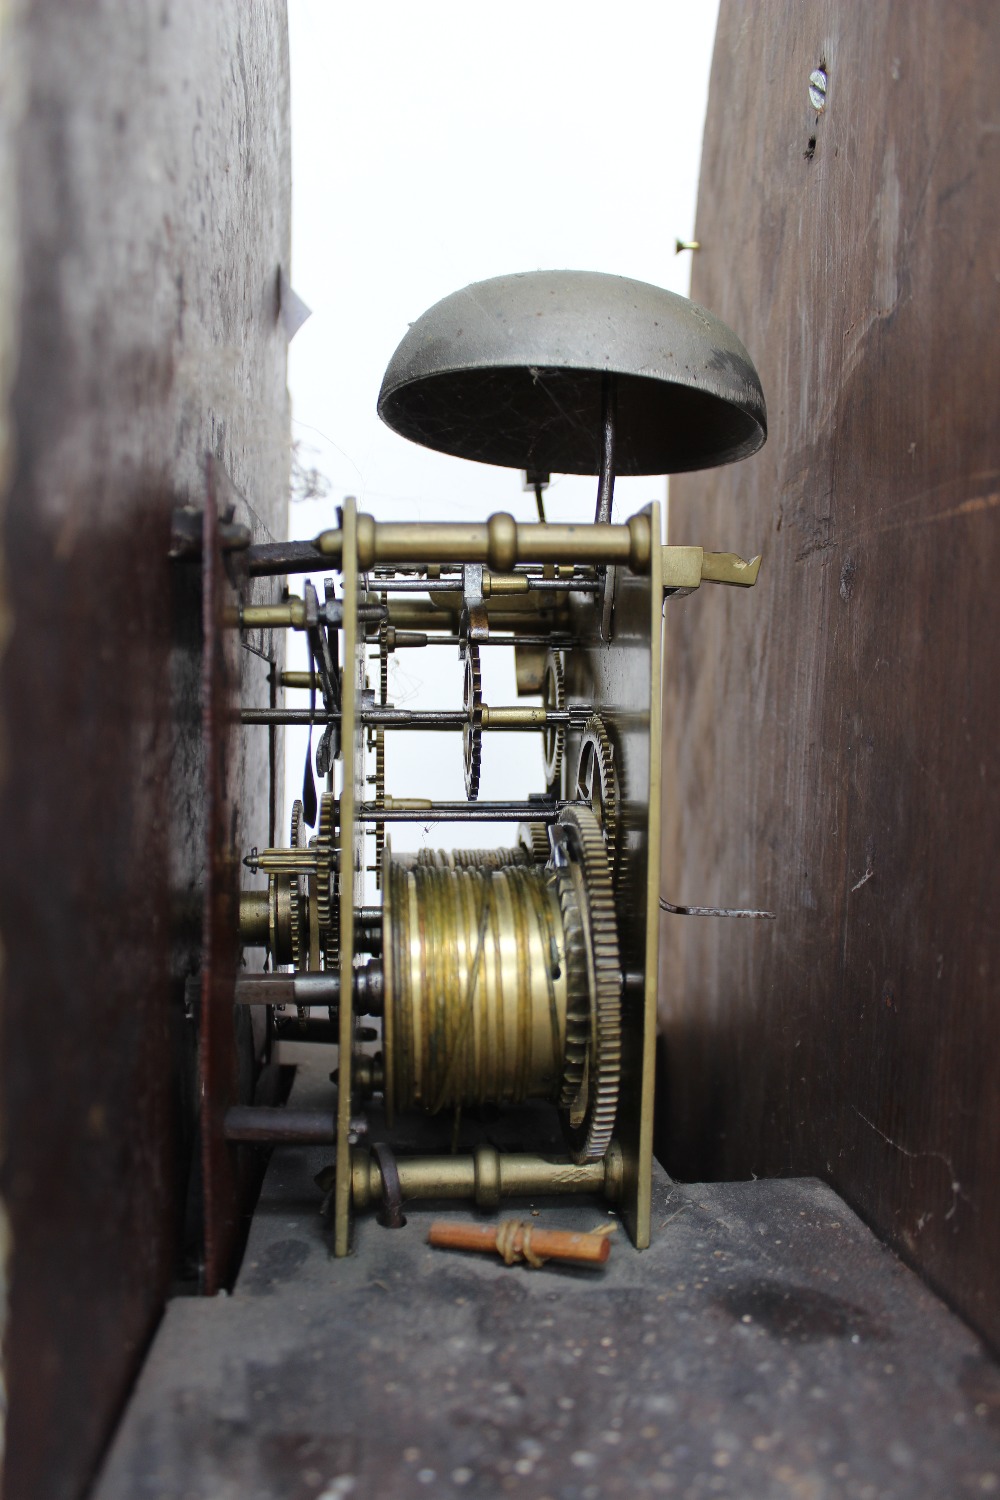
(833, 736)
(232, 790)
(144, 181)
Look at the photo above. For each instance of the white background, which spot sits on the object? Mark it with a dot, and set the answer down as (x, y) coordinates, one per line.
(438, 144)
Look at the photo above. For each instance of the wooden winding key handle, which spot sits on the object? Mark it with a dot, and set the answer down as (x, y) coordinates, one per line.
(516, 1241)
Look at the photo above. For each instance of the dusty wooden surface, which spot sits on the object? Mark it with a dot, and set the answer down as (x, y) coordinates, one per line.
(836, 731)
(144, 177)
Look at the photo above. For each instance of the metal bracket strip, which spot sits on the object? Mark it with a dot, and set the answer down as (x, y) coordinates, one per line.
(352, 752)
(640, 1206)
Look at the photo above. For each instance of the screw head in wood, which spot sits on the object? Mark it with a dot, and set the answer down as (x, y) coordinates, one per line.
(817, 89)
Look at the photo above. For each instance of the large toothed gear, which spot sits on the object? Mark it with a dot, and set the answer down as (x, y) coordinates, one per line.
(472, 730)
(379, 742)
(554, 735)
(327, 884)
(323, 846)
(590, 1116)
(597, 784)
(332, 948)
(297, 915)
(579, 1002)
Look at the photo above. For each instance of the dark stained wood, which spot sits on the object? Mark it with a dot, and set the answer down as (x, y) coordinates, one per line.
(229, 1041)
(145, 217)
(835, 733)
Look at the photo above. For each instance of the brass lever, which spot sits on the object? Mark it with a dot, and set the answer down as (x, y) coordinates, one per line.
(686, 568)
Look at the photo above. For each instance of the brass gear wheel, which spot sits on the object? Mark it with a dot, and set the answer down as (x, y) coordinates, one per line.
(569, 884)
(327, 884)
(331, 948)
(383, 684)
(597, 784)
(591, 1112)
(554, 736)
(472, 730)
(296, 923)
(534, 839)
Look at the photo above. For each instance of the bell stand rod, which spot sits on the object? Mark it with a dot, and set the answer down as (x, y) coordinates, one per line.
(514, 716)
(609, 417)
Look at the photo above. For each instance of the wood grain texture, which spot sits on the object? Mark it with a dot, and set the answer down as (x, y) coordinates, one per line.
(835, 733)
(144, 175)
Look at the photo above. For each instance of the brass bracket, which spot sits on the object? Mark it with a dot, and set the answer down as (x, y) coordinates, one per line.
(686, 568)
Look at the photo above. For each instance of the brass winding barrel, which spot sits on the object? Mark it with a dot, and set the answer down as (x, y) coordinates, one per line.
(475, 982)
